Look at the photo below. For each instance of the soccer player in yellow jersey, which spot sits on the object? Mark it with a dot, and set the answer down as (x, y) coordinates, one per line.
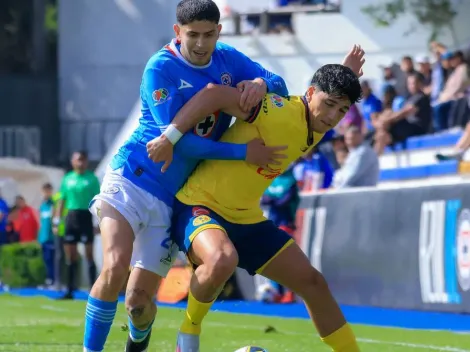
(217, 220)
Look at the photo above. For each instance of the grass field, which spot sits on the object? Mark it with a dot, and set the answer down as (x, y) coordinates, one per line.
(41, 324)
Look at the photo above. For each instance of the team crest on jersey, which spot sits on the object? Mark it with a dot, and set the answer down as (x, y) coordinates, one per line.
(160, 96)
(463, 250)
(201, 220)
(268, 174)
(277, 101)
(226, 79)
(205, 127)
(197, 211)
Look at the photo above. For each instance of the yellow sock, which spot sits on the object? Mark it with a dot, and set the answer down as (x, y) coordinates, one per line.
(342, 340)
(195, 313)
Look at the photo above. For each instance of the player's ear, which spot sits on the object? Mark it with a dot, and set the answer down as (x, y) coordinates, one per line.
(177, 30)
(219, 29)
(310, 92)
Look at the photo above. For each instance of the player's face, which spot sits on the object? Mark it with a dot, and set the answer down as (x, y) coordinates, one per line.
(326, 111)
(198, 40)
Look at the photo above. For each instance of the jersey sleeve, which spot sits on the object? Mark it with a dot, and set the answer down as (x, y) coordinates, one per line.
(164, 101)
(247, 69)
(271, 105)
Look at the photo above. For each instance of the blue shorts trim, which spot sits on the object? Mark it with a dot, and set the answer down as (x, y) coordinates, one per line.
(256, 244)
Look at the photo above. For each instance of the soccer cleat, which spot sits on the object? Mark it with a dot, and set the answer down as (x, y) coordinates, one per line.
(187, 343)
(141, 346)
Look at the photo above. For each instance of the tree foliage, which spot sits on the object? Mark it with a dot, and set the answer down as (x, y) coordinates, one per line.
(436, 15)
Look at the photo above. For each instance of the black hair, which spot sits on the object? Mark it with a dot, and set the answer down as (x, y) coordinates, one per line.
(338, 81)
(418, 76)
(82, 153)
(189, 11)
(47, 186)
(389, 95)
(407, 58)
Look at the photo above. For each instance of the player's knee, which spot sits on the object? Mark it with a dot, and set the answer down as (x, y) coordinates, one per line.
(222, 265)
(312, 283)
(140, 307)
(114, 275)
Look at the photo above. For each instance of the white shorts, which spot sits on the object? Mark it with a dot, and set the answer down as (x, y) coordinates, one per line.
(149, 218)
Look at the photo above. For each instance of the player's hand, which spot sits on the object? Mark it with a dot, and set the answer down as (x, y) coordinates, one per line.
(259, 154)
(355, 60)
(160, 149)
(252, 93)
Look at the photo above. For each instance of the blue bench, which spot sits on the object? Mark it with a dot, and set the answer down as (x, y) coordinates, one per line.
(450, 167)
(427, 142)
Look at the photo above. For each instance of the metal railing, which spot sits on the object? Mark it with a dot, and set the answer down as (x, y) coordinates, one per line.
(21, 142)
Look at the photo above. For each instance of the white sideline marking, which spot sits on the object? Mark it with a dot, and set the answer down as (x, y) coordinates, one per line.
(55, 309)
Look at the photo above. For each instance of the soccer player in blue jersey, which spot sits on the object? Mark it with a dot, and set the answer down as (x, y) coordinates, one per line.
(134, 206)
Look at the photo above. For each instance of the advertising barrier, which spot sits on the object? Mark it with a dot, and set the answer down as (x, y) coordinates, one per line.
(402, 248)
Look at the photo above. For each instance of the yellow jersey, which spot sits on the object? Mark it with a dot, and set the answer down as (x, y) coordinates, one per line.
(233, 189)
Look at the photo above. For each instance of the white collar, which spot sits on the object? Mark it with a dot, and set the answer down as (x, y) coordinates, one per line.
(179, 56)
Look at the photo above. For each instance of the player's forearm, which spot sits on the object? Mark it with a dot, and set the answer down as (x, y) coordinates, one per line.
(209, 100)
(276, 84)
(195, 147)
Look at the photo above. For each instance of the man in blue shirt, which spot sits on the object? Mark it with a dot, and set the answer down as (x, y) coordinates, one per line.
(134, 206)
(45, 235)
(371, 105)
(3, 221)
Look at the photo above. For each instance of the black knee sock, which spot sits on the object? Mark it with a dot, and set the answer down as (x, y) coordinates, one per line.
(91, 272)
(72, 272)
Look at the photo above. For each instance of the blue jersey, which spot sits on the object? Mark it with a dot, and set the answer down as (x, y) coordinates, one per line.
(168, 82)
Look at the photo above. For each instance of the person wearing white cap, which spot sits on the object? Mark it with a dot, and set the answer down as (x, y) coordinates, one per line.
(424, 67)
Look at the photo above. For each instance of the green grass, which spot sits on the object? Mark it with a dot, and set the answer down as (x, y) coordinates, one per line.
(41, 324)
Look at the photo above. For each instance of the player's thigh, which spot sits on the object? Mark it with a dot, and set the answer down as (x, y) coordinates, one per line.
(292, 269)
(118, 209)
(202, 235)
(258, 244)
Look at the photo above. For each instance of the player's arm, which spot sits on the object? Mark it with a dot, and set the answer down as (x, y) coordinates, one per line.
(60, 205)
(212, 98)
(164, 108)
(247, 69)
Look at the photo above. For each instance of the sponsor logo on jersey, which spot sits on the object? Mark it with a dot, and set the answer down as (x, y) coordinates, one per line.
(160, 96)
(277, 101)
(197, 211)
(184, 84)
(226, 79)
(201, 220)
(268, 174)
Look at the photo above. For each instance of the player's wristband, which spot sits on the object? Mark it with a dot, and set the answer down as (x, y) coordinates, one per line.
(172, 134)
(56, 221)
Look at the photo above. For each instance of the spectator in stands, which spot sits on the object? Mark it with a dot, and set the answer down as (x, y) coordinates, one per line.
(3, 221)
(424, 68)
(439, 73)
(361, 167)
(406, 69)
(78, 188)
(352, 118)
(11, 230)
(454, 91)
(391, 103)
(313, 171)
(412, 120)
(46, 236)
(25, 220)
(371, 105)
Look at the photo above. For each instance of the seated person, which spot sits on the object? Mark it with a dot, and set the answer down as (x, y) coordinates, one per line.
(454, 90)
(392, 102)
(412, 120)
(361, 166)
